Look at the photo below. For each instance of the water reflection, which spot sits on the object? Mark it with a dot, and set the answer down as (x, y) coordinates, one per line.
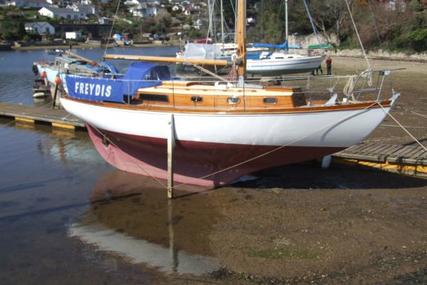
(130, 216)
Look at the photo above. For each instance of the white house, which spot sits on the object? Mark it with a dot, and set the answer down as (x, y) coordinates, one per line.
(83, 9)
(61, 13)
(73, 35)
(40, 28)
(26, 3)
(150, 11)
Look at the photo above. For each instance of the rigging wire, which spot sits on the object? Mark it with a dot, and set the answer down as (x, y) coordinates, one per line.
(358, 36)
(311, 21)
(112, 26)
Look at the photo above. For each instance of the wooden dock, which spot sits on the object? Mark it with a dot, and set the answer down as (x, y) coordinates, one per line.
(40, 115)
(407, 159)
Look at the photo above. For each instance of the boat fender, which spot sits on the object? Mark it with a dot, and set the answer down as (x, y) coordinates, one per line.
(58, 80)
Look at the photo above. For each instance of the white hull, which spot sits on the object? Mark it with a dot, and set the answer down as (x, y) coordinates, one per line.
(277, 66)
(313, 129)
(51, 73)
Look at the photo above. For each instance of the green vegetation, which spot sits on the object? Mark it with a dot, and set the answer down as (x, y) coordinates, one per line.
(382, 26)
(402, 27)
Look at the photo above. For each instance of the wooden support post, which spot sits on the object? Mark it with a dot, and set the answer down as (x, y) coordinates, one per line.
(54, 96)
(171, 146)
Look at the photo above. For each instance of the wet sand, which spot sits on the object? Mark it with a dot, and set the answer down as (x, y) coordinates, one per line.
(294, 225)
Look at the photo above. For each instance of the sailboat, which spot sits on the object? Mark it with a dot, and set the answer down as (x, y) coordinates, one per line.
(262, 58)
(221, 130)
(280, 61)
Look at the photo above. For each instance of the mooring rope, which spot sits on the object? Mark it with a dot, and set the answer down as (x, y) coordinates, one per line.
(418, 114)
(278, 148)
(140, 167)
(403, 127)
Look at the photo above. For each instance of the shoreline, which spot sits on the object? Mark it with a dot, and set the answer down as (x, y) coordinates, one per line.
(382, 55)
(86, 46)
(348, 53)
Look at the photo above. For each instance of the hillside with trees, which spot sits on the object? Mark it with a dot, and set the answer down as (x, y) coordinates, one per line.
(391, 25)
(395, 25)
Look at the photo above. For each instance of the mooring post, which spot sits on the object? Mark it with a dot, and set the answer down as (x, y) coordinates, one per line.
(54, 96)
(171, 146)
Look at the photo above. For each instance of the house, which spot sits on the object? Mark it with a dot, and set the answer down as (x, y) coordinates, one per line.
(39, 28)
(26, 3)
(61, 13)
(83, 9)
(135, 7)
(105, 21)
(150, 11)
(76, 35)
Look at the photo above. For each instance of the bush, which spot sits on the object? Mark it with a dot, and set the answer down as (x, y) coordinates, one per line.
(418, 39)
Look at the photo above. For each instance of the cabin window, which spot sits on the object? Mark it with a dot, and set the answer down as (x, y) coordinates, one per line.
(196, 99)
(233, 100)
(154, 98)
(270, 100)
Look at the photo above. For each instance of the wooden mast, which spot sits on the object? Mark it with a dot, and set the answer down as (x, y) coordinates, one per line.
(241, 39)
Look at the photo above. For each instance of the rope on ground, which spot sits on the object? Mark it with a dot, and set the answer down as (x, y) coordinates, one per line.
(418, 114)
(408, 127)
(402, 127)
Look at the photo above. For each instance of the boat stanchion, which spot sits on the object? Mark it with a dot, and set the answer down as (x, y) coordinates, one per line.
(171, 146)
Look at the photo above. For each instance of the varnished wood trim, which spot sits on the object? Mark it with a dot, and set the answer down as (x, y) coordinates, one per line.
(232, 111)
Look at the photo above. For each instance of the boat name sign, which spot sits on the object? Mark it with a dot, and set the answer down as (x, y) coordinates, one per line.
(95, 89)
(92, 89)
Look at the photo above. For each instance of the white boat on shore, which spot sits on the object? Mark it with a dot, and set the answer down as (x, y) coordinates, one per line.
(279, 63)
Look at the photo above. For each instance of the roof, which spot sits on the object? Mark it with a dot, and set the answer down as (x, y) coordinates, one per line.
(60, 10)
(37, 23)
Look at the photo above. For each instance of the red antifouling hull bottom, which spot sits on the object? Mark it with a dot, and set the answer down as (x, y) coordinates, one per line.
(196, 163)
